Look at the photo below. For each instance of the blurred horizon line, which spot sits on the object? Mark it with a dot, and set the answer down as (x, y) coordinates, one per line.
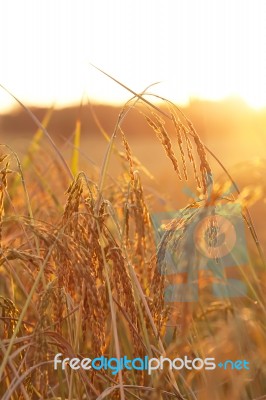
(233, 100)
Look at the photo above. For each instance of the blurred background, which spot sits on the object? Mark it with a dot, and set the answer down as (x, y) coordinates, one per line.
(208, 57)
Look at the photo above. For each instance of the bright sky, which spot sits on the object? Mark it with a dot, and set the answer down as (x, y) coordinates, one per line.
(197, 48)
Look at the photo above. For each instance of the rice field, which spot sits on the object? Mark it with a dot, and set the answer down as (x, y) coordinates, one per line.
(88, 257)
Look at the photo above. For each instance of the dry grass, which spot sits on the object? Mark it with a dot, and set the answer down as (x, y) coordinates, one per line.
(79, 275)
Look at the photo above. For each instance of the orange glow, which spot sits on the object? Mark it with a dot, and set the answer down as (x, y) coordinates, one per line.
(201, 49)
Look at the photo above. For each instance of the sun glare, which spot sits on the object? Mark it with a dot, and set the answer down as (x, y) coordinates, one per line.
(207, 49)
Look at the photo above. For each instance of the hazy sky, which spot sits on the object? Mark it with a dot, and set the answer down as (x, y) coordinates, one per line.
(203, 48)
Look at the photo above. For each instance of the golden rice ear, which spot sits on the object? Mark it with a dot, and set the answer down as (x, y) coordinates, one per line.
(189, 144)
(159, 129)
(187, 131)
(191, 158)
(205, 168)
(180, 132)
(74, 197)
(128, 155)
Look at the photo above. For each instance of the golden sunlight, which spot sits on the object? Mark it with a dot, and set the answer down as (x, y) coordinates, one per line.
(204, 49)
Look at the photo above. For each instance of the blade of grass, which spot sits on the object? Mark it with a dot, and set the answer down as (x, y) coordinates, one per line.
(75, 153)
(42, 128)
(33, 147)
(140, 96)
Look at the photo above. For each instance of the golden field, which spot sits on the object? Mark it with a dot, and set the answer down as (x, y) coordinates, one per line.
(79, 260)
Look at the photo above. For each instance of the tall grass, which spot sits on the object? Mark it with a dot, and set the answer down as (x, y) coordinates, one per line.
(79, 276)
